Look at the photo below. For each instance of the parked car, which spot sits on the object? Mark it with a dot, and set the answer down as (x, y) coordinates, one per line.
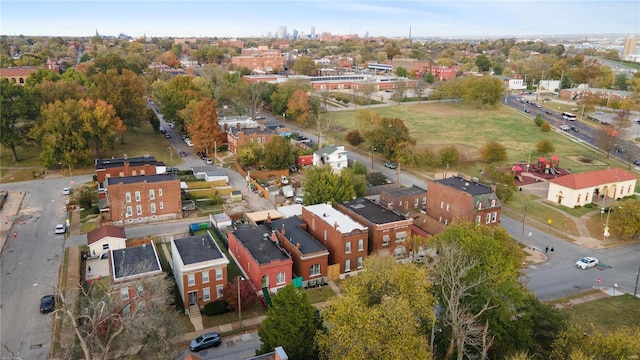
(207, 160)
(167, 136)
(171, 125)
(565, 127)
(183, 153)
(548, 112)
(205, 341)
(47, 303)
(60, 229)
(599, 113)
(66, 191)
(620, 148)
(390, 165)
(574, 128)
(636, 162)
(284, 180)
(299, 198)
(586, 262)
(527, 111)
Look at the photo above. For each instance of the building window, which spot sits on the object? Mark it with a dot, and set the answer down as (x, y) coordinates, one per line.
(139, 210)
(219, 274)
(206, 294)
(494, 217)
(161, 205)
(359, 262)
(446, 221)
(159, 192)
(385, 240)
(141, 307)
(479, 206)
(401, 236)
(347, 265)
(315, 270)
(347, 247)
(360, 244)
(493, 202)
(127, 197)
(126, 311)
(416, 201)
(140, 290)
(153, 208)
(152, 194)
(424, 200)
(124, 293)
(325, 235)
(441, 204)
(129, 211)
(280, 278)
(488, 218)
(191, 279)
(478, 219)
(447, 207)
(219, 289)
(205, 277)
(137, 196)
(105, 246)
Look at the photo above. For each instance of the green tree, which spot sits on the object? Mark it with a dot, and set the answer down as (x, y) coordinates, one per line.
(175, 96)
(280, 98)
(389, 305)
(538, 120)
(493, 152)
(483, 63)
(322, 185)
(278, 153)
(18, 111)
(383, 134)
(625, 219)
(545, 146)
(429, 77)
(292, 323)
(621, 343)
(250, 154)
(503, 180)
(125, 92)
(402, 72)
(305, 65)
(481, 90)
(621, 82)
(545, 127)
(204, 130)
(449, 156)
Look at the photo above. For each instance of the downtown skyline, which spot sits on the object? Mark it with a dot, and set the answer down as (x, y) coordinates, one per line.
(377, 18)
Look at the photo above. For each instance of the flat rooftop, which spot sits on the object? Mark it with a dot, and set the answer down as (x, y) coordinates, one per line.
(333, 216)
(141, 179)
(468, 186)
(296, 235)
(196, 249)
(253, 239)
(134, 261)
(372, 211)
(413, 190)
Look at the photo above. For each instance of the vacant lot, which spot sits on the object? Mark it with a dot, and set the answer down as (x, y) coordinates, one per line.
(607, 314)
(437, 125)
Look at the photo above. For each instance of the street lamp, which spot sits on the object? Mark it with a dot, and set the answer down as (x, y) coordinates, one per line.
(635, 290)
(615, 286)
(524, 220)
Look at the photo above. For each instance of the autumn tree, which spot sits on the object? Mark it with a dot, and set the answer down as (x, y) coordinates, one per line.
(175, 95)
(125, 92)
(292, 323)
(606, 138)
(280, 98)
(625, 219)
(248, 297)
(278, 153)
(420, 88)
(62, 90)
(480, 90)
(590, 343)
(399, 91)
(354, 138)
(298, 107)
(18, 111)
(402, 72)
(545, 146)
(205, 133)
(383, 134)
(389, 305)
(449, 156)
(250, 154)
(322, 185)
(493, 152)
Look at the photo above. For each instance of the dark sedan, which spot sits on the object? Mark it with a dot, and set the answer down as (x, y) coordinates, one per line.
(47, 303)
(183, 153)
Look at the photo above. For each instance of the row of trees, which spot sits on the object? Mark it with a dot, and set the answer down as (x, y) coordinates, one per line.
(470, 303)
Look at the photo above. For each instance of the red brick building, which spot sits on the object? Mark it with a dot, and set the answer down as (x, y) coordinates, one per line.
(266, 263)
(199, 268)
(457, 199)
(346, 239)
(141, 198)
(120, 167)
(413, 198)
(17, 75)
(269, 64)
(236, 138)
(310, 258)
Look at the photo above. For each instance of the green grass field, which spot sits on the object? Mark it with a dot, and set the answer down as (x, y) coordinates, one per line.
(436, 125)
(607, 314)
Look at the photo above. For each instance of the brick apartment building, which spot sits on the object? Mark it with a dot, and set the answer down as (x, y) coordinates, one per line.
(236, 138)
(121, 167)
(141, 198)
(310, 258)
(413, 198)
(388, 230)
(346, 239)
(267, 63)
(458, 199)
(199, 268)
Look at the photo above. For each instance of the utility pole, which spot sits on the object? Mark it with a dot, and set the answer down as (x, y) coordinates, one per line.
(635, 290)
(524, 220)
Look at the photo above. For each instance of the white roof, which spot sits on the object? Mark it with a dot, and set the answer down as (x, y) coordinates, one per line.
(333, 216)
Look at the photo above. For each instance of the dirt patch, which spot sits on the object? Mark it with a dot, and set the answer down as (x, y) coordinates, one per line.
(586, 160)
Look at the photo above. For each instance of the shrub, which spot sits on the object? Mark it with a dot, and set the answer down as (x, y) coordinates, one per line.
(545, 127)
(376, 178)
(354, 138)
(215, 308)
(538, 120)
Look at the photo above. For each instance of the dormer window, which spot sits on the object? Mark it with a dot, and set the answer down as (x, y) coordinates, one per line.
(493, 203)
(479, 206)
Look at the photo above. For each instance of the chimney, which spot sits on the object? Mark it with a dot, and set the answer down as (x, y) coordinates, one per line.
(269, 218)
(274, 237)
(298, 246)
(335, 225)
(283, 231)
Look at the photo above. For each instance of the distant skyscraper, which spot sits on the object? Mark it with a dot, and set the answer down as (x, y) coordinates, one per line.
(313, 32)
(282, 32)
(366, 35)
(629, 47)
(294, 34)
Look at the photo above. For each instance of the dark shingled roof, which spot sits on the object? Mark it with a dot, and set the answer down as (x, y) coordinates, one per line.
(467, 186)
(295, 235)
(141, 179)
(373, 211)
(135, 161)
(197, 249)
(414, 190)
(136, 260)
(104, 231)
(252, 237)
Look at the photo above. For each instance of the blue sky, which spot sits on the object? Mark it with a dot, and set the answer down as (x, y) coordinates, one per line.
(379, 18)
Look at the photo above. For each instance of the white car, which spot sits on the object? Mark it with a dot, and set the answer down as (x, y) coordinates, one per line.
(66, 191)
(299, 198)
(586, 262)
(565, 127)
(60, 229)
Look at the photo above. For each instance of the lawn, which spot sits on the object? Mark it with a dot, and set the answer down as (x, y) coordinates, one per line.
(560, 226)
(139, 142)
(607, 314)
(436, 125)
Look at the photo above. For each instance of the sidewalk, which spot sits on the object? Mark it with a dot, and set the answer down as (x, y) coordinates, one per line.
(9, 214)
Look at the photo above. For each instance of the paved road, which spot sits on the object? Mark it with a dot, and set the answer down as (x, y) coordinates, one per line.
(236, 347)
(29, 267)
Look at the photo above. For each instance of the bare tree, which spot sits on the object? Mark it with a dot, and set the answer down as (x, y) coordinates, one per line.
(108, 320)
(456, 285)
(606, 138)
(367, 92)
